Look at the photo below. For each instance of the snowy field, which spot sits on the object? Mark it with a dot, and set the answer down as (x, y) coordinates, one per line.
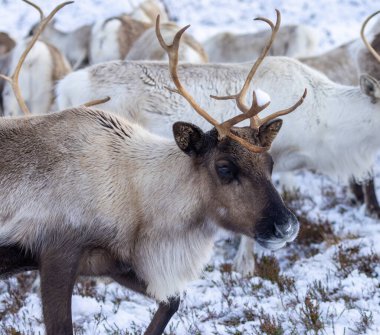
(326, 282)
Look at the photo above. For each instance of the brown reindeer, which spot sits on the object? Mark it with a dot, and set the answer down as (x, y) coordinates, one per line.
(84, 192)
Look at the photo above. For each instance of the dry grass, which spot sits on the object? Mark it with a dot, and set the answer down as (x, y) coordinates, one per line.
(349, 258)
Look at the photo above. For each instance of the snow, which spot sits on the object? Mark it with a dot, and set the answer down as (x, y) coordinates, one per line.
(262, 97)
(222, 302)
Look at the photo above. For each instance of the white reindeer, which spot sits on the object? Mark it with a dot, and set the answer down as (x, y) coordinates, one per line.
(74, 44)
(292, 41)
(345, 65)
(112, 39)
(84, 192)
(44, 66)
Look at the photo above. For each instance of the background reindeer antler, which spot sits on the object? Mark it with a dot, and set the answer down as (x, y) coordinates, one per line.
(367, 44)
(224, 129)
(13, 79)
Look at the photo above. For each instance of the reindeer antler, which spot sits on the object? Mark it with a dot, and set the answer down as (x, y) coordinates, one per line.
(224, 129)
(13, 79)
(255, 109)
(367, 44)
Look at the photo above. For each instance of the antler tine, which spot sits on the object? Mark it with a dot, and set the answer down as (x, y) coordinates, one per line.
(38, 8)
(367, 44)
(259, 122)
(172, 51)
(13, 79)
(240, 97)
(96, 102)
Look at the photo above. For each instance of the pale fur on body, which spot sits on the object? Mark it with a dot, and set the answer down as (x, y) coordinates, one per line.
(112, 39)
(346, 63)
(291, 41)
(118, 176)
(148, 10)
(74, 44)
(43, 67)
(85, 179)
(146, 47)
(325, 120)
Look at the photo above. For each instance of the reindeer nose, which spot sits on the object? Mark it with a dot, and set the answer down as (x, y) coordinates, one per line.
(286, 229)
(282, 231)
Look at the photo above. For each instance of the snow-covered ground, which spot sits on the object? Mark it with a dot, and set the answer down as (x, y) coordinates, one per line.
(326, 282)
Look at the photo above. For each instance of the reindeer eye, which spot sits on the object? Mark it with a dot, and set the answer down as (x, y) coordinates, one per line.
(226, 170)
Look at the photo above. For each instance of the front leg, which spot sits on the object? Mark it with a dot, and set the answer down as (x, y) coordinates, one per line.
(58, 271)
(370, 199)
(162, 317)
(165, 310)
(244, 261)
(357, 191)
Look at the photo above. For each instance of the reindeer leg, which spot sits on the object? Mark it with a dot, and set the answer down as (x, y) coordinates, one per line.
(357, 191)
(244, 261)
(58, 271)
(162, 317)
(165, 310)
(14, 259)
(370, 199)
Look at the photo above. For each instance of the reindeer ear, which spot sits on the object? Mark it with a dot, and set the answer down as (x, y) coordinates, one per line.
(188, 137)
(269, 131)
(370, 86)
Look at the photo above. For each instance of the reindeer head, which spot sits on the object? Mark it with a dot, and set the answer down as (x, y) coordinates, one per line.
(234, 162)
(369, 64)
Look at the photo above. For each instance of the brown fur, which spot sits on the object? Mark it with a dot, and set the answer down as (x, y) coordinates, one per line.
(6, 43)
(85, 192)
(129, 32)
(146, 47)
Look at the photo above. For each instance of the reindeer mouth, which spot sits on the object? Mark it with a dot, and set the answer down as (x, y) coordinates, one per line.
(278, 239)
(271, 244)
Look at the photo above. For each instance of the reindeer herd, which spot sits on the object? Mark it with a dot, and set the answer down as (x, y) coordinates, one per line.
(133, 188)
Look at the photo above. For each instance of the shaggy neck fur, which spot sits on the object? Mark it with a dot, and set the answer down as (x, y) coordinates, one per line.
(174, 234)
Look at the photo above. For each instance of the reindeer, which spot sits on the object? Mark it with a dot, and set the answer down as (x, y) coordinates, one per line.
(350, 64)
(87, 193)
(319, 137)
(148, 10)
(146, 47)
(292, 41)
(74, 45)
(112, 39)
(45, 65)
(6, 45)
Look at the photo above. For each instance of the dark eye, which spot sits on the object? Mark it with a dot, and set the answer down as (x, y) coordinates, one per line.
(226, 170)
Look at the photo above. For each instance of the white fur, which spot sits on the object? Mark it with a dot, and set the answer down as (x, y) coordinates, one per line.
(320, 134)
(74, 45)
(291, 41)
(35, 80)
(78, 83)
(104, 44)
